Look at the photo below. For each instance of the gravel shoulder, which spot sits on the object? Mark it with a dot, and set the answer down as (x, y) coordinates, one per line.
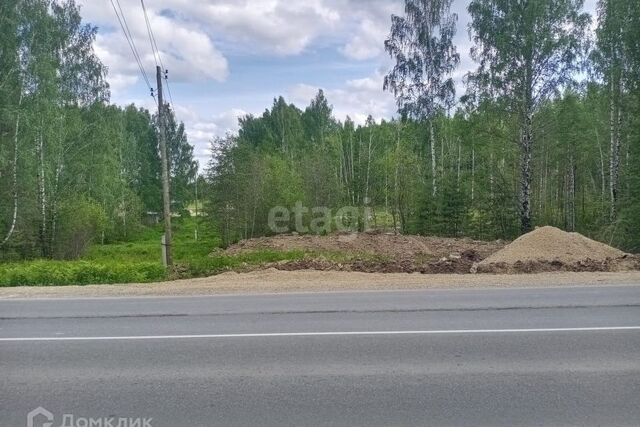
(277, 281)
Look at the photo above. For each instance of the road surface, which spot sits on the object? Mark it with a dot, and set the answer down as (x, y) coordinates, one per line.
(566, 356)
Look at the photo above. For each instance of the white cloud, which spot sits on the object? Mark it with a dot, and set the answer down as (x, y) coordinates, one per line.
(357, 98)
(301, 94)
(201, 130)
(278, 26)
(189, 34)
(186, 50)
(372, 23)
(195, 36)
(366, 44)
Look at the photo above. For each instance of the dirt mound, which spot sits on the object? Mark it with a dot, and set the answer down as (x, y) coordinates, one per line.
(454, 264)
(381, 244)
(545, 249)
(371, 252)
(551, 249)
(391, 245)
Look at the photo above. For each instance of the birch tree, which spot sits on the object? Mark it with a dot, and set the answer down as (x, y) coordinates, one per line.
(10, 112)
(527, 50)
(613, 60)
(421, 43)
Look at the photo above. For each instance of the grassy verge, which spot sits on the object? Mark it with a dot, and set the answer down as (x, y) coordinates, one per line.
(56, 273)
(139, 261)
(83, 272)
(219, 263)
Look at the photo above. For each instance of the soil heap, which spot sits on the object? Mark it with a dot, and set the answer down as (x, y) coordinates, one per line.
(551, 249)
(374, 252)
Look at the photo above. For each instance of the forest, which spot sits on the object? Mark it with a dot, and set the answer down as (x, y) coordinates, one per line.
(74, 169)
(545, 132)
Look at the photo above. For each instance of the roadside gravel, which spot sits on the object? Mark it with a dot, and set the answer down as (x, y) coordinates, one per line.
(277, 281)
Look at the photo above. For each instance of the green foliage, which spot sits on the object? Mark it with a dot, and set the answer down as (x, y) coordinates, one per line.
(445, 215)
(65, 153)
(59, 273)
(81, 223)
(421, 43)
(140, 261)
(219, 263)
(182, 166)
(526, 146)
(527, 51)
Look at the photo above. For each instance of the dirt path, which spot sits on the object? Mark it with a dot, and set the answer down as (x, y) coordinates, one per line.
(275, 281)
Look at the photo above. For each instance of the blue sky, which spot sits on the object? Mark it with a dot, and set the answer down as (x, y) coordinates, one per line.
(227, 58)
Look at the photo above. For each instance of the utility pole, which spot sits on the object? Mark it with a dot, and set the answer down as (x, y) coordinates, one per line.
(197, 201)
(166, 241)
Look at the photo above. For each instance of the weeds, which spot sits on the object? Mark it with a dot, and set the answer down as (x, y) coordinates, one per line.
(139, 261)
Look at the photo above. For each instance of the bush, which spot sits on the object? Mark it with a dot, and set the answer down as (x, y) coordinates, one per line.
(140, 261)
(81, 222)
(59, 273)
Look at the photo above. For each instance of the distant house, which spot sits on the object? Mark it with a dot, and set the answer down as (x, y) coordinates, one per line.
(152, 218)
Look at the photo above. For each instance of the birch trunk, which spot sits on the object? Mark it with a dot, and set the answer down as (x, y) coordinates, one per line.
(473, 172)
(351, 171)
(526, 143)
(433, 159)
(459, 160)
(54, 205)
(571, 199)
(14, 177)
(491, 177)
(397, 188)
(43, 197)
(526, 148)
(366, 188)
(603, 179)
(614, 159)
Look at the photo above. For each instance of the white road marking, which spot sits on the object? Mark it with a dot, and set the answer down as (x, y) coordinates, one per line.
(323, 334)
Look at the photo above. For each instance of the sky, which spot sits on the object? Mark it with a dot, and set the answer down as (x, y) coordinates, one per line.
(229, 58)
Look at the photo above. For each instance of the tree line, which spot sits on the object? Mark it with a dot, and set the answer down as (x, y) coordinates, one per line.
(73, 168)
(547, 132)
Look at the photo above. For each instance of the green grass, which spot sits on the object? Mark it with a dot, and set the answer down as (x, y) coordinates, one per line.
(56, 273)
(140, 261)
(220, 263)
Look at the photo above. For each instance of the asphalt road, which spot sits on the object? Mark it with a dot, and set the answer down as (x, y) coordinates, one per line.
(567, 356)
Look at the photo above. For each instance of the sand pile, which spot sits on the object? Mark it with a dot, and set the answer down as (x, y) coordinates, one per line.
(551, 249)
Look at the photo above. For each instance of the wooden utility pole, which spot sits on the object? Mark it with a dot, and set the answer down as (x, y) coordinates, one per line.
(166, 241)
(197, 201)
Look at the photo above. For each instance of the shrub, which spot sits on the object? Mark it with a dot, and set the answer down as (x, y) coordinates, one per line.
(81, 222)
(58, 273)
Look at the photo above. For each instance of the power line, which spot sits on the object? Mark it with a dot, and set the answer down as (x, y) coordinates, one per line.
(127, 34)
(155, 50)
(126, 24)
(154, 46)
(131, 45)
